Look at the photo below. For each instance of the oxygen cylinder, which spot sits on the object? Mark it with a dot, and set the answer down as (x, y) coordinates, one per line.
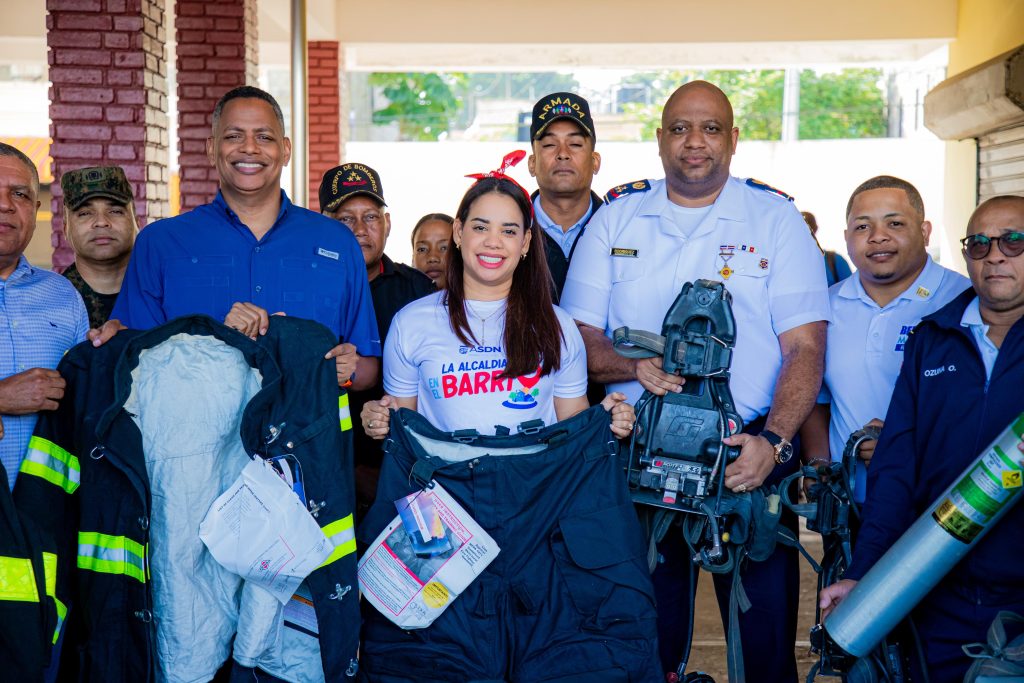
(912, 567)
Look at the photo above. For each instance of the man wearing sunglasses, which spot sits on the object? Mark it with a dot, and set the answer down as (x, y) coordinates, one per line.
(873, 311)
(960, 386)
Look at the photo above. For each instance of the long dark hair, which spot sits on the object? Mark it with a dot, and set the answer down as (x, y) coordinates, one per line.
(532, 333)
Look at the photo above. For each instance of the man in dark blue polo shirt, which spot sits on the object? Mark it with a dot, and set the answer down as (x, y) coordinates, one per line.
(251, 253)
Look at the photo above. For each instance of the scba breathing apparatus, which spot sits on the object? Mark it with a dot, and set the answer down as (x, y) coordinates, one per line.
(857, 640)
(677, 459)
(858, 629)
(832, 511)
(676, 464)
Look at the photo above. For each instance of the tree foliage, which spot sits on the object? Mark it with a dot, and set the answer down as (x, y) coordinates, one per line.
(756, 98)
(422, 104)
(425, 105)
(519, 85)
(846, 104)
(849, 103)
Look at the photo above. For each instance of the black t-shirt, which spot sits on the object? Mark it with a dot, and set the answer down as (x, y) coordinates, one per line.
(98, 305)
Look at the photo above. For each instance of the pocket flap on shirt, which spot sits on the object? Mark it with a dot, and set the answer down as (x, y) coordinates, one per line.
(750, 265)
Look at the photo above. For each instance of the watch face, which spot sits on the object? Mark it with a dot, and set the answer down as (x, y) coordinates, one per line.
(785, 453)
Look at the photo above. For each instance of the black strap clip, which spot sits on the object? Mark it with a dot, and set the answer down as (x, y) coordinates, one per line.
(422, 472)
(531, 427)
(465, 435)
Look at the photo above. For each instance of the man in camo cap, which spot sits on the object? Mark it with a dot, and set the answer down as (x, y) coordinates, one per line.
(100, 225)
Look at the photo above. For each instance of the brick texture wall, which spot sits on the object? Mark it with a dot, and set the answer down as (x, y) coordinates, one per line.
(216, 51)
(108, 102)
(324, 124)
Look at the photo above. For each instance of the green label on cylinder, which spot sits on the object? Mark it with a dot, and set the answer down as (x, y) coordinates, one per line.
(989, 484)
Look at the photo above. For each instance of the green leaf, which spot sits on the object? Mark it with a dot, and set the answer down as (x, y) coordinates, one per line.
(422, 104)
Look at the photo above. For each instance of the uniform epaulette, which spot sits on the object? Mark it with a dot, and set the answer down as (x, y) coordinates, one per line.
(628, 188)
(758, 185)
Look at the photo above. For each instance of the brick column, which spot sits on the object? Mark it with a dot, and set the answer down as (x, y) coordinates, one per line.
(216, 52)
(324, 124)
(108, 102)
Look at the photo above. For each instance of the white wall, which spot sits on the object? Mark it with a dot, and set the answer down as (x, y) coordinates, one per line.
(426, 177)
(24, 109)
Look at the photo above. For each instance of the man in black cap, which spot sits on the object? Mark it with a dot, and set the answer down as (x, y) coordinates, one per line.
(100, 225)
(352, 194)
(564, 163)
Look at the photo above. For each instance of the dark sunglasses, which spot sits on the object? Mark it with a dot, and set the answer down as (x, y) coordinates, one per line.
(977, 247)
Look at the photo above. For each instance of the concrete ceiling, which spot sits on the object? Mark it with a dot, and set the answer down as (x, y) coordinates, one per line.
(538, 35)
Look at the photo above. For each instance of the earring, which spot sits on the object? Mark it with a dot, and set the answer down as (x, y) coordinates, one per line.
(522, 257)
(458, 246)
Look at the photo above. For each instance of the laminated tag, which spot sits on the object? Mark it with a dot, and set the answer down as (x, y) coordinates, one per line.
(260, 530)
(424, 559)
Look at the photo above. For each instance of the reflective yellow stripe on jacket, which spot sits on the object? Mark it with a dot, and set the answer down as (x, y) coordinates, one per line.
(18, 584)
(344, 415)
(50, 576)
(111, 555)
(343, 536)
(17, 580)
(49, 461)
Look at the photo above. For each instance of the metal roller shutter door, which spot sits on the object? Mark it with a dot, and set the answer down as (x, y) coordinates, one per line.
(1001, 163)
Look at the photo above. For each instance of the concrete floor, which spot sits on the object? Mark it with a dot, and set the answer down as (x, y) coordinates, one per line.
(708, 652)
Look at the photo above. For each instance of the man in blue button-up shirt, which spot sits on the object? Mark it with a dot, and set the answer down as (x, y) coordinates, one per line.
(251, 253)
(41, 315)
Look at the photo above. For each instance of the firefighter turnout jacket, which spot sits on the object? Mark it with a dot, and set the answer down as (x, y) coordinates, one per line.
(153, 427)
(30, 614)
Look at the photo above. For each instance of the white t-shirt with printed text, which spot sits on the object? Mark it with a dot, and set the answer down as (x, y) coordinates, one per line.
(458, 386)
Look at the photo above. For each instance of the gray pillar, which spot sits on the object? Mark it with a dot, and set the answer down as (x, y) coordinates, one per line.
(300, 137)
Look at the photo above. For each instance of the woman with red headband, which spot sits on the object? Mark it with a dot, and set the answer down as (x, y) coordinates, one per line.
(491, 350)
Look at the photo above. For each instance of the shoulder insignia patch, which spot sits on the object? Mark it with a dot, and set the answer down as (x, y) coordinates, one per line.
(628, 188)
(758, 185)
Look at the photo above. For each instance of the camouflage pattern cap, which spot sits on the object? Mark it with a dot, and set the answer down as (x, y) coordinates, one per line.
(83, 184)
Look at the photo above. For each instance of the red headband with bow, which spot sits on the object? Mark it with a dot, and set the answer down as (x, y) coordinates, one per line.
(507, 162)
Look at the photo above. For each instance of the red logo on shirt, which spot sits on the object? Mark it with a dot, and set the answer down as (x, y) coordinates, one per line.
(491, 382)
(475, 383)
(530, 381)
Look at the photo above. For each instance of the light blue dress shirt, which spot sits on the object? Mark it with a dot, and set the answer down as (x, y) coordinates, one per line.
(979, 330)
(41, 317)
(565, 239)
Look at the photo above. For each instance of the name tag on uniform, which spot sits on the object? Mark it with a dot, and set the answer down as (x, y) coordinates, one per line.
(630, 253)
(329, 254)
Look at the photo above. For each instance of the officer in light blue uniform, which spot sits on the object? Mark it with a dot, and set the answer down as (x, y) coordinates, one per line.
(628, 268)
(752, 240)
(873, 311)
